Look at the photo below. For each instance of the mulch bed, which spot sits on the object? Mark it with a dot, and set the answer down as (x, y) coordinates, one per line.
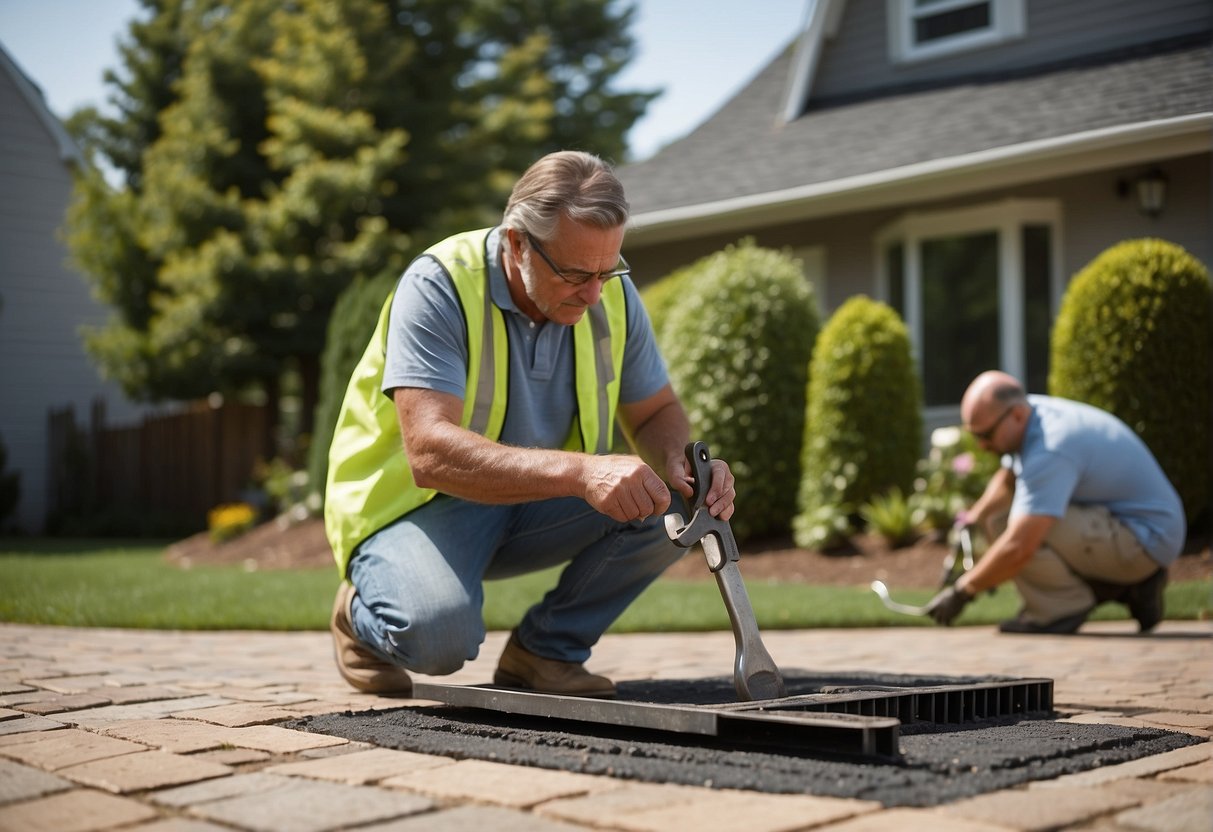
(280, 544)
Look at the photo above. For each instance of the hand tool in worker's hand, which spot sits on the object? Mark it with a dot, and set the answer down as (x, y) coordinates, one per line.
(755, 675)
(960, 551)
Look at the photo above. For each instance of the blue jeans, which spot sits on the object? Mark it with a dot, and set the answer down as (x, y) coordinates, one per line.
(420, 590)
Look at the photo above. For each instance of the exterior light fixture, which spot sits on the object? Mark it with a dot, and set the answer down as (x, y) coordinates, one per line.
(1151, 190)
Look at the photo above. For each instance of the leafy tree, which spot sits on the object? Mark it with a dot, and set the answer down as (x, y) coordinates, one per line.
(297, 149)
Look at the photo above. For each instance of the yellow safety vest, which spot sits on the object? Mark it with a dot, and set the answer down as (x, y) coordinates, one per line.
(370, 483)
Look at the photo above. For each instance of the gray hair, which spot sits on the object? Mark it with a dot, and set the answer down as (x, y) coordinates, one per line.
(567, 183)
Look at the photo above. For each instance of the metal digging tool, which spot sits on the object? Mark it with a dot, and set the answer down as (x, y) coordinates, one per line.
(755, 675)
(961, 551)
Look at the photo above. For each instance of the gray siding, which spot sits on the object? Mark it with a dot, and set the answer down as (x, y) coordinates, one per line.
(44, 303)
(857, 61)
(1093, 219)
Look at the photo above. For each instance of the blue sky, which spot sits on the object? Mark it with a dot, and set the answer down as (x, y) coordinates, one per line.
(699, 51)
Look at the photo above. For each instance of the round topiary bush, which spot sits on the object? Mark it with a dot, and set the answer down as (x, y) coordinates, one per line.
(350, 328)
(738, 341)
(863, 432)
(1133, 338)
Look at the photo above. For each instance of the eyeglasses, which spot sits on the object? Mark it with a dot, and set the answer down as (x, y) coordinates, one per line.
(988, 434)
(575, 276)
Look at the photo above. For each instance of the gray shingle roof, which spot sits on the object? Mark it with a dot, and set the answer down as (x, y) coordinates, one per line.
(744, 149)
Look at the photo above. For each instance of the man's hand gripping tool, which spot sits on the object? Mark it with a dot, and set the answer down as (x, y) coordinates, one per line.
(755, 675)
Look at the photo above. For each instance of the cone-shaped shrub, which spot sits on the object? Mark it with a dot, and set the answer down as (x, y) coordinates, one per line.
(1133, 338)
(863, 432)
(738, 341)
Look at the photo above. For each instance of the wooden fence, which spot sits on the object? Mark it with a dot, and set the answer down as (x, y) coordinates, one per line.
(172, 468)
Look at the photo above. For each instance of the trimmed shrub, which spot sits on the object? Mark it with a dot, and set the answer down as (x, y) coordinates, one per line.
(1133, 338)
(738, 350)
(863, 431)
(663, 295)
(350, 328)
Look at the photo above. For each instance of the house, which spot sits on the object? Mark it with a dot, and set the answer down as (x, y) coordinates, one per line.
(959, 159)
(43, 302)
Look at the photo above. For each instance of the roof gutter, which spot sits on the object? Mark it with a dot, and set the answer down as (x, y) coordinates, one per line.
(936, 179)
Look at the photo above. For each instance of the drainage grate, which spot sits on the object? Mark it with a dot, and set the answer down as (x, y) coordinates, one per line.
(863, 721)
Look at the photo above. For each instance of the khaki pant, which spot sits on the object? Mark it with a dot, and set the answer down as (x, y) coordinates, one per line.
(1087, 543)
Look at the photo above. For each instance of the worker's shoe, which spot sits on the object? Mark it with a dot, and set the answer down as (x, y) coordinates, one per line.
(357, 664)
(520, 668)
(1145, 600)
(1063, 626)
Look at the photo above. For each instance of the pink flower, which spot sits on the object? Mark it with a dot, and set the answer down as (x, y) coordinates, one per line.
(963, 464)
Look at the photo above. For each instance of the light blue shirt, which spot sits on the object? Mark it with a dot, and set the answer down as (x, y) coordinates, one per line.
(427, 348)
(1076, 453)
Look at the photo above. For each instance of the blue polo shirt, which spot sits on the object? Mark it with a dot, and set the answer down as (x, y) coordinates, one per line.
(427, 348)
(1076, 453)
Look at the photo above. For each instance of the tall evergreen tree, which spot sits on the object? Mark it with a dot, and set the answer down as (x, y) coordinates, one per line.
(296, 148)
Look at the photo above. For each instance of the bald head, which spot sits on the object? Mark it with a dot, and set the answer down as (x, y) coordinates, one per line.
(992, 398)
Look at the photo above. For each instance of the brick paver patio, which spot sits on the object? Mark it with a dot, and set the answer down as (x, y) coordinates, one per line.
(151, 730)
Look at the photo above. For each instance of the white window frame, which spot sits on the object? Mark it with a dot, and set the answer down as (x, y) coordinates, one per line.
(1006, 218)
(1008, 20)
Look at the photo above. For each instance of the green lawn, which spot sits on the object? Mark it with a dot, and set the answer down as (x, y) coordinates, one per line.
(108, 584)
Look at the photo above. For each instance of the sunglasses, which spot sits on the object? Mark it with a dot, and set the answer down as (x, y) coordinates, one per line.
(988, 434)
(575, 276)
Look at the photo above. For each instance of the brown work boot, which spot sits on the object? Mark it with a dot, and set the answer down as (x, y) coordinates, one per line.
(520, 668)
(357, 664)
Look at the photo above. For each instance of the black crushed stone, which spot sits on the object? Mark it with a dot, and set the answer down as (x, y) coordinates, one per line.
(938, 764)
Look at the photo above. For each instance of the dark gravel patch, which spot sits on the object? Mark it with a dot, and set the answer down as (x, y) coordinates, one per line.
(938, 764)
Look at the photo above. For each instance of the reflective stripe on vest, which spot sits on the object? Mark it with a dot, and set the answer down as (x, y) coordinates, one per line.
(370, 484)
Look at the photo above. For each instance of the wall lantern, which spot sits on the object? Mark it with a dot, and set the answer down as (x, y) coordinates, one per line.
(1151, 191)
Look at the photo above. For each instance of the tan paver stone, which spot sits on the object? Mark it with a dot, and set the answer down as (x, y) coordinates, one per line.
(236, 715)
(335, 750)
(17, 699)
(73, 684)
(485, 782)
(180, 736)
(145, 770)
(233, 756)
(82, 810)
(63, 704)
(27, 725)
(278, 740)
(132, 694)
(1178, 720)
(99, 717)
(911, 820)
(11, 686)
(178, 825)
(473, 819)
(361, 767)
(1199, 773)
(8, 713)
(59, 749)
(1144, 767)
(704, 809)
(312, 806)
(222, 788)
(18, 782)
(629, 798)
(1186, 812)
(1029, 811)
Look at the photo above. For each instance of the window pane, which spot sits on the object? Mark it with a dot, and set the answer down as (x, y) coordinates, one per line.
(960, 326)
(1037, 313)
(950, 23)
(894, 260)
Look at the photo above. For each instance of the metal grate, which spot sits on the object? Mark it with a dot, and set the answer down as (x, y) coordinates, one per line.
(862, 721)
